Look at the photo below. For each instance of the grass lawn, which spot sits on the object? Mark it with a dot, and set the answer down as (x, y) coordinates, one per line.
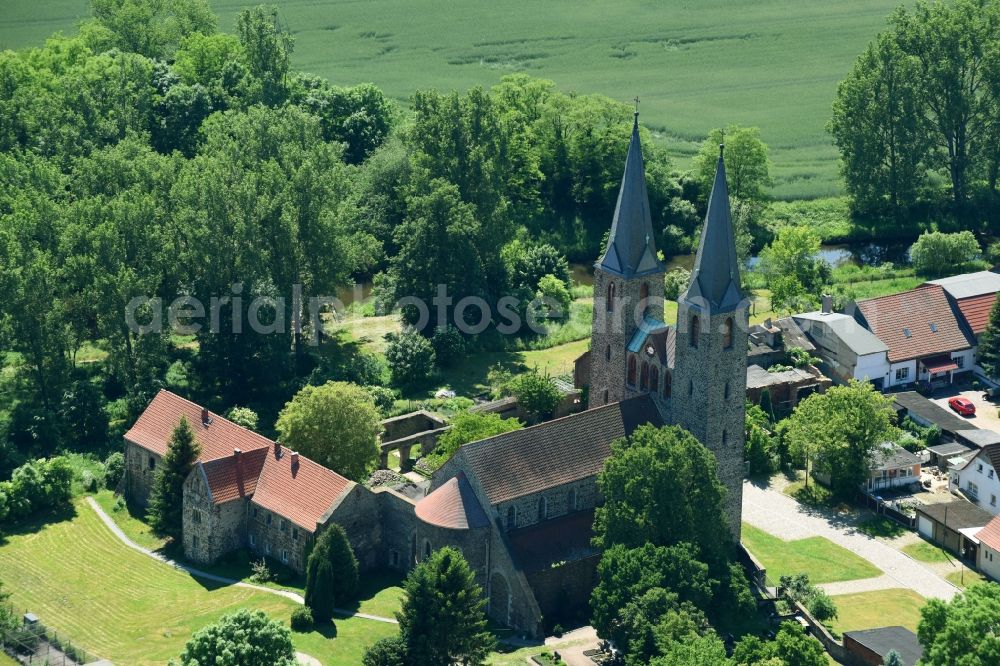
(924, 551)
(823, 560)
(695, 65)
(880, 526)
(964, 579)
(870, 610)
(126, 607)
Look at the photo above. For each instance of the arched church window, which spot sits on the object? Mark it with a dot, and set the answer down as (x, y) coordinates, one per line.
(694, 330)
(727, 334)
(666, 384)
(654, 379)
(605, 396)
(511, 517)
(611, 297)
(644, 377)
(644, 297)
(631, 370)
(427, 548)
(725, 392)
(725, 438)
(607, 353)
(543, 508)
(571, 500)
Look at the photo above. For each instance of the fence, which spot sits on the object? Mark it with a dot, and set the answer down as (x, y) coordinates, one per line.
(889, 510)
(34, 643)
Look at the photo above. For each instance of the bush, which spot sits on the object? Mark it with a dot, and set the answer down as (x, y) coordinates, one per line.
(449, 346)
(243, 416)
(675, 282)
(554, 296)
(821, 606)
(114, 470)
(302, 619)
(536, 394)
(383, 397)
(261, 572)
(88, 482)
(386, 652)
(410, 356)
(38, 485)
(937, 254)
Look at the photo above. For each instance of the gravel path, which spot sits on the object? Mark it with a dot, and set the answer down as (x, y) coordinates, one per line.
(297, 598)
(780, 515)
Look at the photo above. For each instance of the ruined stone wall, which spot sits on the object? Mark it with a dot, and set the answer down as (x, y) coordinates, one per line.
(138, 473)
(398, 529)
(563, 591)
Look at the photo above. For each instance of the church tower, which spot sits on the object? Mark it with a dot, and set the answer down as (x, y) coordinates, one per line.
(711, 348)
(628, 283)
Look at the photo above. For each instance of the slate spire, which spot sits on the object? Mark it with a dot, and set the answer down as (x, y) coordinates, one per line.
(715, 280)
(631, 250)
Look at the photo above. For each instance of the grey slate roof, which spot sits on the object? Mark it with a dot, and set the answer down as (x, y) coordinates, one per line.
(917, 405)
(857, 338)
(891, 456)
(979, 436)
(957, 514)
(715, 279)
(556, 452)
(970, 284)
(884, 640)
(631, 250)
(949, 449)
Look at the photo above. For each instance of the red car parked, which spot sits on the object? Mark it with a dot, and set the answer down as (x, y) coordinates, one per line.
(962, 405)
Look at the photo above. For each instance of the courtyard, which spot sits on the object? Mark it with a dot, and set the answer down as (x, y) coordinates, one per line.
(986, 417)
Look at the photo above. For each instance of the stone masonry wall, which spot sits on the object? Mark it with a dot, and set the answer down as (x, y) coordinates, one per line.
(709, 393)
(138, 473)
(358, 514)
(271, 535)
(210, 530)
(398, 529)
(557, 503)
(563, 592)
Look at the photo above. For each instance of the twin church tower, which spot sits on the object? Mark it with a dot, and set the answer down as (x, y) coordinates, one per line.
(695, 371)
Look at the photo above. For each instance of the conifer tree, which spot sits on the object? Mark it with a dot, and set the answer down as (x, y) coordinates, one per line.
(166, 502)
(331, 573)
(442, 619)
(989, 343)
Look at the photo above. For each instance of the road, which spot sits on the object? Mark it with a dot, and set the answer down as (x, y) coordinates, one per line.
(774, 512)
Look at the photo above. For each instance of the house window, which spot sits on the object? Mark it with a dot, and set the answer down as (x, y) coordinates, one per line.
(690, 387)
(989, 473)
(725, 438)
(959, 361)
(725, 391)
(267, 548)
(571, 500)
(611, 297)
(605, 396)
(980, 468)
(269, 516)
(195, 516)
(727, 334)
(666, 384)
(694, 330)
(902, 373)
(255, 512)
(973, 489)
(284, 524)
(993, 500)
(194, 542)
(511, 517)
(644, 377)
(284, 556)
(631, 371)
(654, 379)
(295, 534)
(152, 462)
(543, 508)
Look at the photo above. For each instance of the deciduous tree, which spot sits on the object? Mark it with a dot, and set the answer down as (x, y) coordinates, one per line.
(961, 631)
(243, 638)
(747, 164)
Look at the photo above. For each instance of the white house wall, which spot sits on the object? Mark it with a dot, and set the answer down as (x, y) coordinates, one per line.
(985, 488)
(871, 367)
(911, 376)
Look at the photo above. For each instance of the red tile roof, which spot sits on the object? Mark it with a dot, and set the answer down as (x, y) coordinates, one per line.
(229, 480)
(976, 311)
(915, 323)
(302, 493)
(453, 505)
(217, 440)
(990, 535)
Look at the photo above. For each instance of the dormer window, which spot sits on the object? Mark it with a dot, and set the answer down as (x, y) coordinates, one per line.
(933, 327)
(907, 333)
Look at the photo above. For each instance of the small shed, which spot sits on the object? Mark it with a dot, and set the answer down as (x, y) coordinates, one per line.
(872, 645)
(943, 453)
(927, 413)
(978, 438)
(943, 524)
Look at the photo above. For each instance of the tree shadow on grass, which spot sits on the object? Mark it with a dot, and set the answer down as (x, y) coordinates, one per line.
(36, 522)
(370, 583)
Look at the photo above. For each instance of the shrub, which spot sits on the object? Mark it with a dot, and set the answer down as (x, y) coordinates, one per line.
(449, 346)
(555, 297)
(821, 606)
(302, 619)
(410, 356)
(261, 572)
(88, 482)
(536, 394)
(114, 470)
(243, 416)
(675, 282)
(937, 253)
(383, 397)
(386, 652)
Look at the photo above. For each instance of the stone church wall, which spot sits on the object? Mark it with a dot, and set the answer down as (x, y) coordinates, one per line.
(398, 529)
(563, 592)
(358, 514)
(557, 503)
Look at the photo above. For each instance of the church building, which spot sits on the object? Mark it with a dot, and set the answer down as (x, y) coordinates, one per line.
(520, 505)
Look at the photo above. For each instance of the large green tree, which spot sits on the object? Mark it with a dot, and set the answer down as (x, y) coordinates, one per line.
(661, 486)
(963, 630)
(989, 343)
(841, 431)
(166, 499)
(443, 618)
(793, 268)
(331, 573)
(747, 164)
(936, 254)
(336, 425)
(880, 129)
(243, 638)
(471, 427)
(152, 28)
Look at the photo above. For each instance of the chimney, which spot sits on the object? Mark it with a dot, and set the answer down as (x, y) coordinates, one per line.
(236, 454)
(827, 303)
(204, 417)
(277, 449)
(295, 458)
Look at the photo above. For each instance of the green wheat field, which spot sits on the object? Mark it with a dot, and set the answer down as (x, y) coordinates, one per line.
(695, 64)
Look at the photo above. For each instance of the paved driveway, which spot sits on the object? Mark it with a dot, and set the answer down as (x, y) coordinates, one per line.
(776, 513)
(986, 412)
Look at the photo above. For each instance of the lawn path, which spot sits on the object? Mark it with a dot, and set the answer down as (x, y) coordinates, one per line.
(297, 598)
(776, 513)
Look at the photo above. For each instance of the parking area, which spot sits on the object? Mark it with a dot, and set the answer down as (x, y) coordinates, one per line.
(986, 412)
